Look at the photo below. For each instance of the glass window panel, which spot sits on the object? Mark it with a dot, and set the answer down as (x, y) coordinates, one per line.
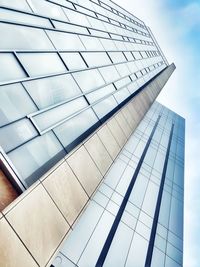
(91, 43)
(133, 87)
(10, 69)
(169, 262)
(76, 17)
(16, 134)
(122, 69)
(101, 199)
(109, 73)
(137, 252)
(32, 155)
(129, 220)
(73, 128)
(47, 9)
(100, 93)
(139, 189)
(117, 57)
(38, 64)
(143, 230)
(105, 106)
(99, 33)
(21, 37)
(15, 16)
(96, 59)
(122, 82)
(176, 216)
(129, 56)
(14, 103)
(120, 243)
(52, 90)
(115, 173)
(55, 115)
(22, 4)
(158, 258)
(124, 181)
(96, 24)
(160, 243)
(174, 253)
(93, 248)
(89, 79)
(61, 41)
(108, 45)
(106, 190)
(175, 241)
(73, 61)
(122, 95)
(77, 240)
(69, 27)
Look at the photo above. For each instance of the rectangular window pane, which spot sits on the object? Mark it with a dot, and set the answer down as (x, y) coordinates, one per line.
(61, 40)
(38, 64)
(73, 61)
(15, 103)
(15, 16)
(122, 95)
(109, 73)
(91, 43)
(96, 59)
(117, 57)
(73, 128)
(52, 90)
(55, 115)
(89, 79)
(100, 93)
(16, 134)
(21, 37)
(47, 9)
(32, 155)
(69, 27)
(10, 69)
(105, 106)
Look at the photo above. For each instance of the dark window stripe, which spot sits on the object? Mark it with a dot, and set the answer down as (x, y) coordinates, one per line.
(116, 222)
(157, 210)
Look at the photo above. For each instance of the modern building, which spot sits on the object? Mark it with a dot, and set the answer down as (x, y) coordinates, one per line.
(91, 167)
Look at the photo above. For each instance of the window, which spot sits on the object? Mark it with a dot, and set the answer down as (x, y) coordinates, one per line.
(69, 27)
(105, 106)
(117, 57)
(57, 114)
(34, 154)
(52, 90)
(37, 64)
(100, 93)
(15, 103)
(61, 40)
(21, 37)
(96, 58)
(73, 61)
(73, 128)
(16, 134)
(91, 43)
(109, 73)
(89, 79)
(10, 69)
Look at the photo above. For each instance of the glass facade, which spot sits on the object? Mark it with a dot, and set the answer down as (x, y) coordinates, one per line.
(62, 62)
(106, 181)
(135, 218)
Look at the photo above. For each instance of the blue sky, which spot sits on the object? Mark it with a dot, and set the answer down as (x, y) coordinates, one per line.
(176, 26)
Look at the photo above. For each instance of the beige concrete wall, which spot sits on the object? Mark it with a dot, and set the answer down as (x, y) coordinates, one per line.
(33, 227)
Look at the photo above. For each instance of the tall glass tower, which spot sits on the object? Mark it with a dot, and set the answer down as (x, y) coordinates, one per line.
(91, 167)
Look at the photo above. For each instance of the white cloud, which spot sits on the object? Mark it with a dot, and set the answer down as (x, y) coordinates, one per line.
(191, 14)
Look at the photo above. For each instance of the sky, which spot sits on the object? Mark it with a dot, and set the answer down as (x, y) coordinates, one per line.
(176, 26)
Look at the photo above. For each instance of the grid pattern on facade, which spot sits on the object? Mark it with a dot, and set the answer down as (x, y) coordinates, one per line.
(64, 66)
(130, 244)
